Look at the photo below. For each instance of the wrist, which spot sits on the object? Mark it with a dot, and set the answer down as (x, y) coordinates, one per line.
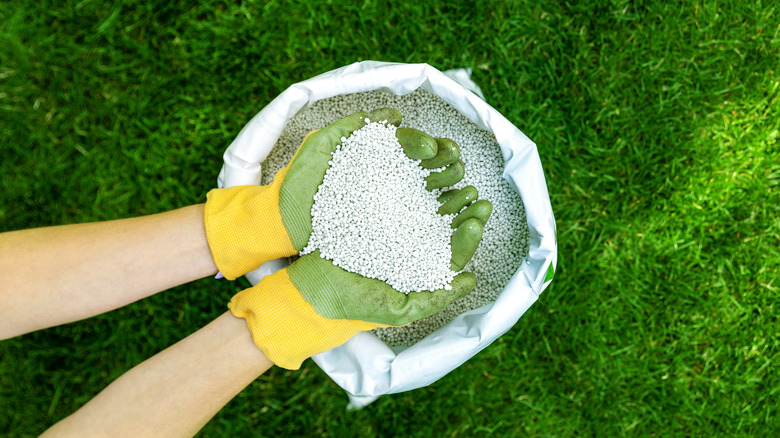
(244, 228)
(285, 326)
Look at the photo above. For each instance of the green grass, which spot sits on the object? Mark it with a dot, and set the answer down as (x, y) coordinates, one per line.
(657, 125)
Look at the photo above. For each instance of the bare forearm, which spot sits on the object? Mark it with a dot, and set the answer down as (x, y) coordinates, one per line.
(61, 274)
(175, 392)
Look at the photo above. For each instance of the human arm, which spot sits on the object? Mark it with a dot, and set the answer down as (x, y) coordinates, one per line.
(177, 391)
(60, 274)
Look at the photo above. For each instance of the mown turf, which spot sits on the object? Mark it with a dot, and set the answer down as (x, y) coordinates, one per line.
(658, 129)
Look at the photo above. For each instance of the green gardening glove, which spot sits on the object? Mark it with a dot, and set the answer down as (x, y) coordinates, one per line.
(339, 294)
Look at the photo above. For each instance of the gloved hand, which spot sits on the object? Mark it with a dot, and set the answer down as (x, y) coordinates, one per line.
(247, 226)
(312, 305)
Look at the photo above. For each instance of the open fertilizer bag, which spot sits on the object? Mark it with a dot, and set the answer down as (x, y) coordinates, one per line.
(365, 366)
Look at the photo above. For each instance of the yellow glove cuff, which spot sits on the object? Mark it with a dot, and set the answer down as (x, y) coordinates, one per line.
(285, 326)
(244, 227)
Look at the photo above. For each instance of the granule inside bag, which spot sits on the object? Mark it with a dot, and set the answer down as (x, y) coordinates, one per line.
(505, 236)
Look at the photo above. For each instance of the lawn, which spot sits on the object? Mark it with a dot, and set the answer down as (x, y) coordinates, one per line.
(657, 126)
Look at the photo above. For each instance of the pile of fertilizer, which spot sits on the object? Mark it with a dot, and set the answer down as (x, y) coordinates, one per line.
(505, 237)
(373, 216)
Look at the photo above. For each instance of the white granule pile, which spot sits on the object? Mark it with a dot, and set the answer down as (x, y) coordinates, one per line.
(505, 236)
(373, 216)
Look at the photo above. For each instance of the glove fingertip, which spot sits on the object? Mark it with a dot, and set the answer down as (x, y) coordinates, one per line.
(391, 115)
(464, 242)
(416, 144)
(463, 284)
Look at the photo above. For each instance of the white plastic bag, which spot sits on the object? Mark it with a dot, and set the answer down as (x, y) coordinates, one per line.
(366, 367)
